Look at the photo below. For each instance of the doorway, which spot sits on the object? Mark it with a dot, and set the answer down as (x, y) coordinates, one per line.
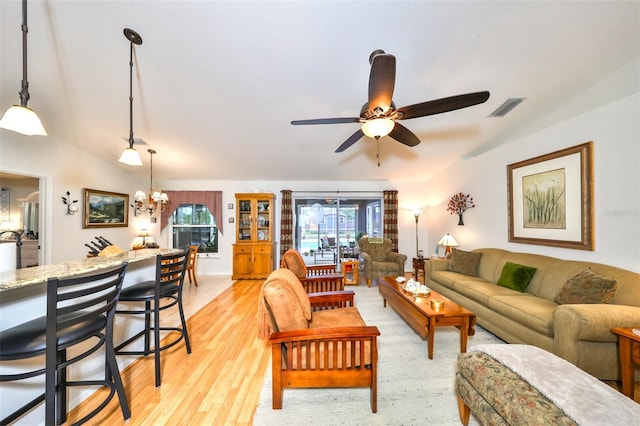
(327, 228)
(20, 211)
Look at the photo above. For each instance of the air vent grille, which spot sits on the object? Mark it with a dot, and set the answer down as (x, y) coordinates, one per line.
(136, 141)
(506, 107)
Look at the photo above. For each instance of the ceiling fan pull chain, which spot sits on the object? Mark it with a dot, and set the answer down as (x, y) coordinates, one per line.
(378, 149)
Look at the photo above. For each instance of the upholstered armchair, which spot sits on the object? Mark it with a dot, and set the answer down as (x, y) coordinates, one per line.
(318, 340)
(314, 278)
(379, 259)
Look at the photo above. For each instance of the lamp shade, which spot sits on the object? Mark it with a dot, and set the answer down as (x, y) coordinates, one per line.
(131, 157)
(378, 127)
(448, 241)
(22, 120)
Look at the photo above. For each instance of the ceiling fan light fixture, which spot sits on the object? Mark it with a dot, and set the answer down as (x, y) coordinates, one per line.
(23, 120)
(378, 127)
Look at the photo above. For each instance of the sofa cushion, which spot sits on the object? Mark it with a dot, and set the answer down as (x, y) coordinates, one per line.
(340, 317)
(464, 262)
(516, 276)
(533, 312)
(481, 291)
(587, 287)
(294, 262)
(284, 308)
(287, 302)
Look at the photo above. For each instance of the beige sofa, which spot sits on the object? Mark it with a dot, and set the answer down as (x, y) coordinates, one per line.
(579, 333)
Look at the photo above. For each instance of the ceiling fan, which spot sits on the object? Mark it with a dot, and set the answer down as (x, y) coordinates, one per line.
(379, 116)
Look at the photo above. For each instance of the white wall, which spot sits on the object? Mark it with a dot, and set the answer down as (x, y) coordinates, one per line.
(615, 132)
(614, 127)
(221, 263)
(62, 167)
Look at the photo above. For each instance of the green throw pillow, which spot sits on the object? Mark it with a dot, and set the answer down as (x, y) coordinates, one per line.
(516, 277)
(464, 262)
(587, 287)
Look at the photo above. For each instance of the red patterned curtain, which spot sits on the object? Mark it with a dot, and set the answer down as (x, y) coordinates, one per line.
(286, 222)
(390, 220)
(211, 199)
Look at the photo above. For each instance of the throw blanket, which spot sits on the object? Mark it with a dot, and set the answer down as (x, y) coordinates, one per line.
(581, 396)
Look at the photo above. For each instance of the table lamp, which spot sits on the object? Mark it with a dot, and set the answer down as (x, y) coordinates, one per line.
(447, 241)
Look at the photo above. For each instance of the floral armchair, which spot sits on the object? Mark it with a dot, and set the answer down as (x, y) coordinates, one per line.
(379, 259)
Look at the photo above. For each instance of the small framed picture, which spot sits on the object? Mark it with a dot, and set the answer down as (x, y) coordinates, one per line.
(230, 206)
(231, 220)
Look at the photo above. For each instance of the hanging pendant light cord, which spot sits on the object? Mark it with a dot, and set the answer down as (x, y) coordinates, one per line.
(24, 91)
(131, 95)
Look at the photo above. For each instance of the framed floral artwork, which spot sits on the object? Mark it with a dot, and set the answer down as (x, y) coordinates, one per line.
(550, 199)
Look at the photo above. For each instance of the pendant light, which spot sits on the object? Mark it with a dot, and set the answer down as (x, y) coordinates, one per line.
(20, 118)
(130, 156)
(156, 200)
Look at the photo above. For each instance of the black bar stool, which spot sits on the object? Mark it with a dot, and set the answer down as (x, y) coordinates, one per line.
(79, 309)
(159, 294)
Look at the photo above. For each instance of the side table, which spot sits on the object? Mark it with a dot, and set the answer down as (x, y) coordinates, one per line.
(629, 349)
(418, 265)
(350, 269)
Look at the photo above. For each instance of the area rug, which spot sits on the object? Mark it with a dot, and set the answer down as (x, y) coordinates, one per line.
(412, 389)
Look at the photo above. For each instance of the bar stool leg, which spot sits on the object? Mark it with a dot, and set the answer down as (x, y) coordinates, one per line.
(114, 373)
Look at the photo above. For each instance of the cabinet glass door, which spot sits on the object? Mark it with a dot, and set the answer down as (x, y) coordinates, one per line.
(263, 220)
(244, 219)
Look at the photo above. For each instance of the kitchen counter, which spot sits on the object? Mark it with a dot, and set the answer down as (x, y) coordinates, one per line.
(23, 297)
(11, 280)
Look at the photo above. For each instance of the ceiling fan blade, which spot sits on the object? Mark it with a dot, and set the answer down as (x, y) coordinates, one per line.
(352, 139)
(327, 121)
(404, 135)
(382, 79)
(442, 105)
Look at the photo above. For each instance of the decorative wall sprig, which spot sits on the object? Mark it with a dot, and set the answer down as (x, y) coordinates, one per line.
(71, 205)
(460, 203)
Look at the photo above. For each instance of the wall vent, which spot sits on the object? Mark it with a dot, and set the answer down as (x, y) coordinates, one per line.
(136, 141)
(506, 107)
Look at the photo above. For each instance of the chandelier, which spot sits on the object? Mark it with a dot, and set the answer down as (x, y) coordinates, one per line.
(156, 200)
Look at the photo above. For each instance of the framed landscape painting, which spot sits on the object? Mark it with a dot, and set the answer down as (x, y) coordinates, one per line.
(103, 209)
(550, 199)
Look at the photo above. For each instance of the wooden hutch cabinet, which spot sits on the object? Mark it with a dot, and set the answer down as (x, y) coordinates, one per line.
(254, 252)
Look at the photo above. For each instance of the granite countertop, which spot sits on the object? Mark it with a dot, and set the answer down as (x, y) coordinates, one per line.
(19, 278)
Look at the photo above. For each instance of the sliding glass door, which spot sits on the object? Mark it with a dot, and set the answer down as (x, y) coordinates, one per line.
(328, 225)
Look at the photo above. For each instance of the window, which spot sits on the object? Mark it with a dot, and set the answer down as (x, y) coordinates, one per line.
(193, 224)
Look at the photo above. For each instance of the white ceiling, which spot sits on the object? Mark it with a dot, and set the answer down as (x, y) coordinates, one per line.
(217, 83)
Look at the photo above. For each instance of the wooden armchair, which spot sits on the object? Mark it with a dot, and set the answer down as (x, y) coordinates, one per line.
(316, 278)
(318, 340)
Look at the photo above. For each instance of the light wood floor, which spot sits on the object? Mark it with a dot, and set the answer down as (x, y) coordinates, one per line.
(220, 382)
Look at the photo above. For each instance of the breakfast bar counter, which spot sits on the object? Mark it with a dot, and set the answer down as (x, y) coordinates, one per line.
(23, 297)
(11, 280)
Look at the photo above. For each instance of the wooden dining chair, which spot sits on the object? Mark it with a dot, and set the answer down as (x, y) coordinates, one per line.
(191, 264)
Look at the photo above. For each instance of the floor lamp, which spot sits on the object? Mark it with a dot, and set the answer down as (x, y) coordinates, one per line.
(417, 214)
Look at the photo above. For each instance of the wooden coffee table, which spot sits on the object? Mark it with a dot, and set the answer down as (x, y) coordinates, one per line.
(417, 312)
